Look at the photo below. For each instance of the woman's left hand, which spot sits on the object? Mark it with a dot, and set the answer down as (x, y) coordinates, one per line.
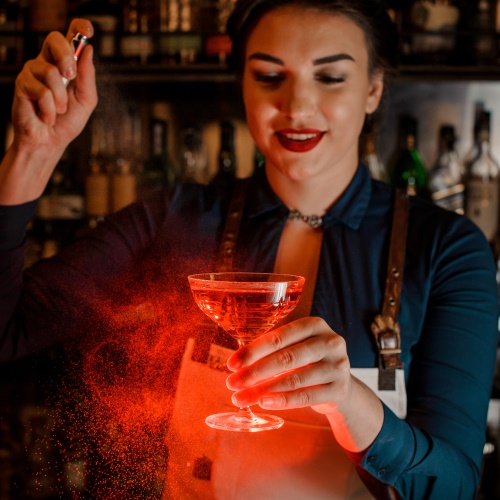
(303, 363)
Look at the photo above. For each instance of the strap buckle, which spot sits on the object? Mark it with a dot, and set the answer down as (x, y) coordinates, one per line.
(387, 335)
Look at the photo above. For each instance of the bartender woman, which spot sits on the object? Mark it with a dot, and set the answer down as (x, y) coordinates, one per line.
(311, 72)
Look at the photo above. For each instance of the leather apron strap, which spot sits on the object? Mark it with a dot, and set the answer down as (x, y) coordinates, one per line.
(227, 245)
(224, 263)
(385, 326)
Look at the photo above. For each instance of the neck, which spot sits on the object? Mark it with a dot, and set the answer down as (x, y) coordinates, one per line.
(314, 195)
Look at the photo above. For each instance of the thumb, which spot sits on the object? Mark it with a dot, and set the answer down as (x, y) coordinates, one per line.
(85, 81)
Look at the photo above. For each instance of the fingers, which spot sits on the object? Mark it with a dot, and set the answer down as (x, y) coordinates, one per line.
(301, 364)
(276, 340)
(295, 356)
(41, 80)
(293, 389)
(318, 384)
(312, 396)
(85, 88)
(59, 51)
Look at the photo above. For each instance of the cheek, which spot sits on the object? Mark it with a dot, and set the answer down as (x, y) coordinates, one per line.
(259, 118)
(345, 115)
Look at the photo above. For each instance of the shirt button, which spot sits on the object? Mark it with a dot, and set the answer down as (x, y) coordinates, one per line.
(381, 472)
(371, 459)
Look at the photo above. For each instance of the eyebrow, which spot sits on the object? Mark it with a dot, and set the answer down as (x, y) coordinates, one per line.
(261, 56)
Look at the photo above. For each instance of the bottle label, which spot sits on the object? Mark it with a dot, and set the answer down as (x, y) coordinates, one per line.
(482, 205)
(97, 195)
(136, 46)
(68, 206)
(451, 198)
(124, 191)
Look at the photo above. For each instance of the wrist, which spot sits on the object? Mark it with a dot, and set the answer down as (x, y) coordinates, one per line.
(25, 171)
(357, 421)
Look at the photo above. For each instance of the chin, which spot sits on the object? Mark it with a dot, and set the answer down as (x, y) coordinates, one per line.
(297, 173)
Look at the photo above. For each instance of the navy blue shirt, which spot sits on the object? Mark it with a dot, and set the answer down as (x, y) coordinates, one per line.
(448, 314)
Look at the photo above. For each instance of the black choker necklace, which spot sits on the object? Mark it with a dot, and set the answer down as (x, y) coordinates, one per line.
(314, 221)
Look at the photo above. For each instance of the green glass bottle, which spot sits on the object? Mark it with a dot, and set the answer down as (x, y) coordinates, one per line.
(158, 171)
(408, 170)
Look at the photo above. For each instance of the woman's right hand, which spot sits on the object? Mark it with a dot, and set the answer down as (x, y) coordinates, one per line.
(47, 115)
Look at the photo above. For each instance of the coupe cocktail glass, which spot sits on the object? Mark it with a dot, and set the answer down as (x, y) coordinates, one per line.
(246, 305)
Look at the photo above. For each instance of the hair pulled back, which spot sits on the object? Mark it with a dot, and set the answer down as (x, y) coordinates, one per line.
(370, 16)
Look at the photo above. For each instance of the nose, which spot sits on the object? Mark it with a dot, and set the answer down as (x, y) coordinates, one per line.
(298, 100)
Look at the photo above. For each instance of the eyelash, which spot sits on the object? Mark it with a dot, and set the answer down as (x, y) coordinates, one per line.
(274, 79)
(268, 78)
(331, 80)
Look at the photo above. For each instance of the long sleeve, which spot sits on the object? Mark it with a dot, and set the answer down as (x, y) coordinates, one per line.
(79, 291)
(437, 452)
(56, 299)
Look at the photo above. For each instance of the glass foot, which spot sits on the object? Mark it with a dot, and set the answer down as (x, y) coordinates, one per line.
(243, 423)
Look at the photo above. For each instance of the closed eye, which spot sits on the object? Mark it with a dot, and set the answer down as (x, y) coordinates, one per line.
(329, 80)
(268, 78)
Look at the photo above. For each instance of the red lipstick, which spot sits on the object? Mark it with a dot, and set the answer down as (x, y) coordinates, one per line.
(299, 140)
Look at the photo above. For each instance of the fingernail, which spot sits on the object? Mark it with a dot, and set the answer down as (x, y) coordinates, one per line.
(70, 73)
(267, 402)
(233, 382)
(234, 363)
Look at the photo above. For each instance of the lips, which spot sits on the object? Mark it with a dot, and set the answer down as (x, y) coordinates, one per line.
(299, 140)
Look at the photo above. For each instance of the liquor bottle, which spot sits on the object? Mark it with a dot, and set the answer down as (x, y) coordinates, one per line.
(484, 24)
(180, 40)
(97, 183)
(11, 32)
(226, 161)
(479, 108)
(434, 25)
(478, 44)
(158, 172)
(408, 170)
(193, 158)
(218, 45)
(446, 176)
(259, 160)
(166, 15)
(136, 43)
(370, 158)
(96, 193)
(482, 189)
(191, 43)
(123, 185)
(60, 210)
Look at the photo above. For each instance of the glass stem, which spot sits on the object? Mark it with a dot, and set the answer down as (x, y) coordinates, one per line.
(244, 412)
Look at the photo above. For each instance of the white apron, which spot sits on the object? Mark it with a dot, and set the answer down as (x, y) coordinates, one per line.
(301, 460)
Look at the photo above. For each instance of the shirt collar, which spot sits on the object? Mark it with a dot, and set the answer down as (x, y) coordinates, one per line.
(350, 209)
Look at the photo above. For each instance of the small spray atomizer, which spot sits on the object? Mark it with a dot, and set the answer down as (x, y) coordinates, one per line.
(79, 41)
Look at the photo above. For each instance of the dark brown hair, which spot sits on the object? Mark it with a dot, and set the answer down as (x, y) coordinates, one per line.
(370, 16)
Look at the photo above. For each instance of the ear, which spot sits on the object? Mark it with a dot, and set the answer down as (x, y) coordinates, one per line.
(375, 91)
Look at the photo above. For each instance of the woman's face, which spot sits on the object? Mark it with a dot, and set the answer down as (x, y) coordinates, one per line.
(306, 90)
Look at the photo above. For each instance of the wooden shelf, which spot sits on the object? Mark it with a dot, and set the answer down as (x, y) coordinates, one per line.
(124, 73)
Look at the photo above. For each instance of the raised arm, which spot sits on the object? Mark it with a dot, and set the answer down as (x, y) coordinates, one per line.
(46, 114)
